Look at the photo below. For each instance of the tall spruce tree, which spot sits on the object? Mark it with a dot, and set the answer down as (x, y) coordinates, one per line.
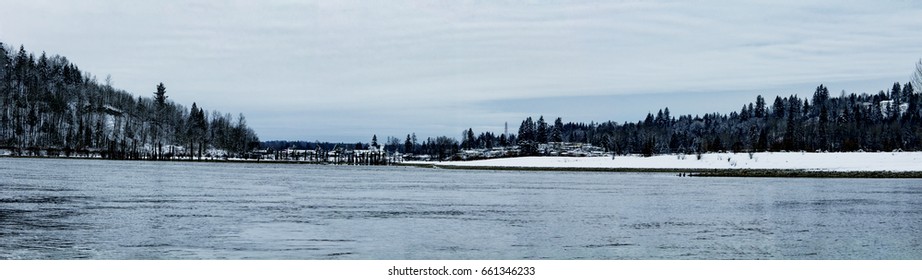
(557, 130)
(541, 131)
(408, 145)
(822, 133)
(526, 137)
(778, 109)
(160, 102)
(760, 107)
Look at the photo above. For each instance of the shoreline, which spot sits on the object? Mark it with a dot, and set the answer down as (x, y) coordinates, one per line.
(725, 164)
(690, 172)
(695, 172)
(194, 160)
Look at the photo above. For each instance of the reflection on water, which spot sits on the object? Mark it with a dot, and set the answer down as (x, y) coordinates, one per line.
(88, 209)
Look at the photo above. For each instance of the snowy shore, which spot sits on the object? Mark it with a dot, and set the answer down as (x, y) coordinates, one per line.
(856, 161)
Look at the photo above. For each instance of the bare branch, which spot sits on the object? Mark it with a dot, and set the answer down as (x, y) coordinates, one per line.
(917, 77)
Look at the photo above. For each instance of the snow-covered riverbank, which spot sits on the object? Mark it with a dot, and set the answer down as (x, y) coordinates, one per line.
(886, 161)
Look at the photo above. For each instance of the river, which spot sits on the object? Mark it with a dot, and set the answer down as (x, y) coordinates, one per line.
(98, 209)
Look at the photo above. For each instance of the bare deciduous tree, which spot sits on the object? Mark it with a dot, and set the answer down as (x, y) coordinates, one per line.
(917, 77)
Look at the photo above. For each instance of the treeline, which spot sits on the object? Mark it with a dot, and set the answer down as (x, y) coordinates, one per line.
(886, 121)
(441, 147)
(278, 145)
(48, 105)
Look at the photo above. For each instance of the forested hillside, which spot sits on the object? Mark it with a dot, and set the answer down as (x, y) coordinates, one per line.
(886, 121)
(49, 106)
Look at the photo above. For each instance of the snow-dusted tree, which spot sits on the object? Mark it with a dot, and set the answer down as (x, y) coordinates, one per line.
(541, 131)
(50, 104)
(557, 130)
(896, 96)
(160, 103)
(760, 107)
(778, 110)
(819, 98)
(526, 138)
(526, 130)
(196, 127)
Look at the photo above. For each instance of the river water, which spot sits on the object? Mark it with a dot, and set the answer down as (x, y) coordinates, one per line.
(95, 209)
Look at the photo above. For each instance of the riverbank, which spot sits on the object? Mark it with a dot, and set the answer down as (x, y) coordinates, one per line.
(780, 164)
(187, 160)
(777, 173)
(790, 165)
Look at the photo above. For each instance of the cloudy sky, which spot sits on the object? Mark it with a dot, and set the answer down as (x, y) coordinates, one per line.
(343, 70)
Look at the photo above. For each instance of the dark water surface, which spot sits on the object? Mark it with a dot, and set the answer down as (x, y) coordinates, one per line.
(93, 209)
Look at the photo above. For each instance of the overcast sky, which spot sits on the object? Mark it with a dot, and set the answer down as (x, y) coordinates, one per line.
(344, 70)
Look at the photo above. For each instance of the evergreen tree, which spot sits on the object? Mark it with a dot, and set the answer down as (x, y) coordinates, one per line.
(822, 132)
(912, 111)
(192, 128)
(717, 145)
(791, 134)
(762, 143)
(526, 138)
(760, 107)
(408, 145)
(468, 141)
(778, 110)
(666, 117)
(202, 131)
(896, 100)
(160, 99)
(744, 113)
(526, 131)
(557, 130)
(541, 131)
(896, 94)
(806, 109)
(649, 147)
(819, 97)
(649, 120)
(160, 95)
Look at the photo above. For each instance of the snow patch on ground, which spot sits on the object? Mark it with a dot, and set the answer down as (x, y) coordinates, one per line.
(877, 161)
